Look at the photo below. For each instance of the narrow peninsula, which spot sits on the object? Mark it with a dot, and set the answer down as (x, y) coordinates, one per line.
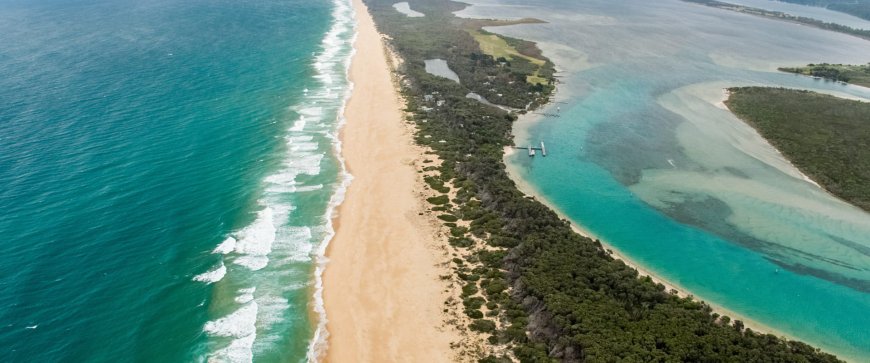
(859, 8)
(529, 285)
(854, 74)
(826, 137)
(861, 33)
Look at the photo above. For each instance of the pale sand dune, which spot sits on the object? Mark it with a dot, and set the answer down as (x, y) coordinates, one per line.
(382, 292)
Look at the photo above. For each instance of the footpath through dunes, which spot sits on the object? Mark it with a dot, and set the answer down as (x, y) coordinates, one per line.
(382, 292)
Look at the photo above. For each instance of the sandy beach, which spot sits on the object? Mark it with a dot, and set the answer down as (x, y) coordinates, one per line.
(382, 292)
(670, 286)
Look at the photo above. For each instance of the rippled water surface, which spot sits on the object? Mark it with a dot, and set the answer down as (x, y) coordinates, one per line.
(166, 173)
(645, 156)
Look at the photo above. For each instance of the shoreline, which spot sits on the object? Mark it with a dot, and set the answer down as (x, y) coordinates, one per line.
(726, 96)
(318, 343)
(786, 17)
(386, 345)
(522, 128)
(529, 190)
(526, 122)
(382, 291)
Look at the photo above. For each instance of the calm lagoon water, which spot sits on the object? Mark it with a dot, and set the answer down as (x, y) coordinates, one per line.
(440, 68)
(645, 157)
(814, 12)
(405, 8)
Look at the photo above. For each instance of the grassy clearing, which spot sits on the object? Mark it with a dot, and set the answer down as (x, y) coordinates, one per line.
(498, 47)
(495, 46)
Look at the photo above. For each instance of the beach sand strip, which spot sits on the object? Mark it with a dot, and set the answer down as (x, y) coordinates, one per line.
(383, 294)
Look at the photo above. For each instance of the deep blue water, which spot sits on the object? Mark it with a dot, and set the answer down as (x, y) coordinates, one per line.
(134, 138)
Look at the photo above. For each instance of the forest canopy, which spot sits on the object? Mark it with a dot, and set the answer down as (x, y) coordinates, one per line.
(539, 291)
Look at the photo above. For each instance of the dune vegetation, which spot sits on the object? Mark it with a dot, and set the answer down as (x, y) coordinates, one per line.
(854, 74)
(536, 289)
(861, 33)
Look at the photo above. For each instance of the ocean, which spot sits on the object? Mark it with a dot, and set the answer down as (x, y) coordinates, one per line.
(645, 157)
(168, 171)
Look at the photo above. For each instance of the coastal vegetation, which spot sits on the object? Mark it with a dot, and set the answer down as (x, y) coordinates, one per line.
(859, 8)
(504, 53)
(537, 290)
(861, 33)
(826, 137)
(855, 74)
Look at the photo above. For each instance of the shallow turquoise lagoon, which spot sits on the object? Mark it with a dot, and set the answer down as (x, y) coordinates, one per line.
(646, 157)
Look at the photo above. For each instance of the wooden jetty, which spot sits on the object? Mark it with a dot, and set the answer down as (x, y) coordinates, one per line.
(533, 150)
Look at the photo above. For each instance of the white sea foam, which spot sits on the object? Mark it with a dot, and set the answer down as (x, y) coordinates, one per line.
(282, 209)
(295, 243)
(227, 246)
(281, 178)
(309, 188)
(241, 325)
(239, 350)
(213, 275)
(254, 242)
(245, 295)
(306, 147)
(257, 238)
(318, 343)
(238, 324)
(281, 188)
(268, 245)
(252, 263)
(299, 125)
(312, 111)
(306, 164)
(299, 138)
(272, 310)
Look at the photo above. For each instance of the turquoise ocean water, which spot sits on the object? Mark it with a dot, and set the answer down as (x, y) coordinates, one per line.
(167, 173)
(645, 157)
